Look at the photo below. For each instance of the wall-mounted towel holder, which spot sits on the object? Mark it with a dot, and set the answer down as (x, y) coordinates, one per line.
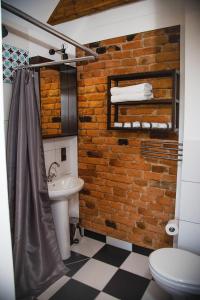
(170, 150)
(114, 115)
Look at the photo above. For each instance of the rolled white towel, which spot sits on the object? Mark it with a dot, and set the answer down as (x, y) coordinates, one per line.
(127, 124)
(162, 125)
(146, 125)
(159, 125)
(136, 124)
(131, 97)
(118, 124)
(142, 87)
(169, 125)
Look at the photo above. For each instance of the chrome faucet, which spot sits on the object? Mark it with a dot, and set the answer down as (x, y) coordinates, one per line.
(51, 174)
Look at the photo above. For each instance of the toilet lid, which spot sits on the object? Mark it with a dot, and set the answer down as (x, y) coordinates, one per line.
(177, 265)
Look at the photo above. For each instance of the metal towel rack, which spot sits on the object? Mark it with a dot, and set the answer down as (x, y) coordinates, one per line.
(162, 150)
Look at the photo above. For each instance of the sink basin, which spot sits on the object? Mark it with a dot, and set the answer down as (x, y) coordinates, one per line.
(60, 191)
(64, 186)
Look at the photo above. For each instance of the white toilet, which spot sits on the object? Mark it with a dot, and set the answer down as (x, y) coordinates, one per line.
(176, 271)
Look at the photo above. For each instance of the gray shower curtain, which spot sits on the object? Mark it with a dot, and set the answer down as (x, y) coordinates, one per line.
(37, 260)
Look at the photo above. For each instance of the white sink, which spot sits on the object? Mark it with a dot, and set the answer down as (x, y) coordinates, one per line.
(64, 186)
(60, 191)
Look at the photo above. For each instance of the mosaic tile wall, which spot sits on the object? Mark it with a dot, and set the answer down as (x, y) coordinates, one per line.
(12, 57)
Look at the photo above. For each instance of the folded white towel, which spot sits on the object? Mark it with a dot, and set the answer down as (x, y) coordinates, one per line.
(146, 125)
(142, 87)
(117, 124)
(169, 125)
(131, 97)
(135, 124)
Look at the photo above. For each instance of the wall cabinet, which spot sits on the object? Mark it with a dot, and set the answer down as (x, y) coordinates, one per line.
(58, 100)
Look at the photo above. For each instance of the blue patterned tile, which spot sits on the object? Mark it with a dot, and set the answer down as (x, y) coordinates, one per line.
(12, 57)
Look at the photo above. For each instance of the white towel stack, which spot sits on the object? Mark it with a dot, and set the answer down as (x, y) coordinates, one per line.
(138, 92)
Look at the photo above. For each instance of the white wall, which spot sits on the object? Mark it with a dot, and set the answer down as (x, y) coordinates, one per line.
(189, 206)
(136, 17)
(6, 270)
(52, 152)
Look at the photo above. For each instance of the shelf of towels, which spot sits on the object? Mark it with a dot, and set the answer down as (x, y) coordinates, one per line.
(138, 92)
(143, 125)
(141, 94)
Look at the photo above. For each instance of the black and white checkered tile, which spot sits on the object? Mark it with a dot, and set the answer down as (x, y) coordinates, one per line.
(104, 272)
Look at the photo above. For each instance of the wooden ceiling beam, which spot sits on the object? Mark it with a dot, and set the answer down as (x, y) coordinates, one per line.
(68, 10)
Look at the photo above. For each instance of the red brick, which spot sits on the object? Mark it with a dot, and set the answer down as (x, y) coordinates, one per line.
(167, 56)
(145, 51)
(159, 169)
(129, 62)
(132, 45)
(117, 40)
(93, 66)
(121, 54)
(113, 63)
(153, 33)
(147, 59)
(155, 41)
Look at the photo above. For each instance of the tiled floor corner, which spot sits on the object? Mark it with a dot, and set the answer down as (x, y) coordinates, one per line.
(104, 272)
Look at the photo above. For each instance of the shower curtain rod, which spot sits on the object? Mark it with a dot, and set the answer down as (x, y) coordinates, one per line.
(54, 63)
(45, 27)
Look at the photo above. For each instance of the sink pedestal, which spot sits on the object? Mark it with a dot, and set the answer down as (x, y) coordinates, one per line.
(60, 191)
(61, 220)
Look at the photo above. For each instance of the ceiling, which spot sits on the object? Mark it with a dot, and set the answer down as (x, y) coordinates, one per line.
(68, 10)
(41, 10)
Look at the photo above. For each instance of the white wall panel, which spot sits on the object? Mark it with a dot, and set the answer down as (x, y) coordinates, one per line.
(189, 234)
(192, 67)
(190, 202)
(7, 290)
(191, 160)
(52, 152)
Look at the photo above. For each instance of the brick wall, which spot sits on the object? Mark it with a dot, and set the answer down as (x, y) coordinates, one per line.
(125, 195)
(50, 101)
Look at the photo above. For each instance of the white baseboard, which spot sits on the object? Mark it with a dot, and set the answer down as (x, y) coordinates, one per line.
(118, 243)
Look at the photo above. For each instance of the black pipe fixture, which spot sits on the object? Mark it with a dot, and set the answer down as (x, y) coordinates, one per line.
(62, 51)
(4, 31)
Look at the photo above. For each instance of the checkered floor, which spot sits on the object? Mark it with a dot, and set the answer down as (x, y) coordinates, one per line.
(103, 272)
